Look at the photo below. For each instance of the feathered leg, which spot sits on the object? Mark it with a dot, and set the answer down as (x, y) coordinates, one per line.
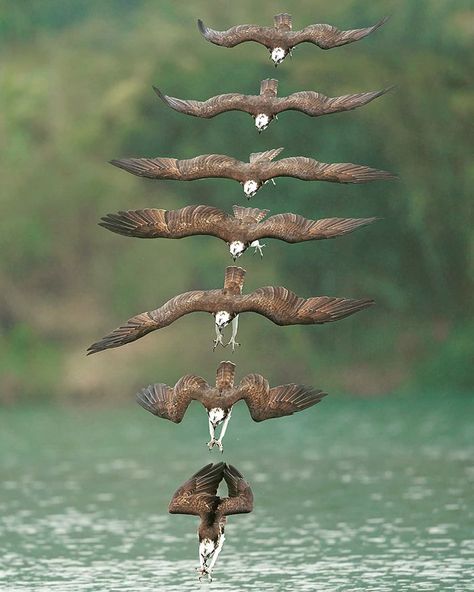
(214, 557)
(218, 338)
(223, 431)
(212, 442)
(235, 327)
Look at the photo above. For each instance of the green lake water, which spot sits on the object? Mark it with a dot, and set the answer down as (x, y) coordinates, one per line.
(351, 495)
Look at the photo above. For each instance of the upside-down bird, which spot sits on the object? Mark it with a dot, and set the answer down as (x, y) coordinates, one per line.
(253, 174)
(276, 303)
(266, 106)
(198, 497)
(242, 230)
(281, 39)
(262, 401)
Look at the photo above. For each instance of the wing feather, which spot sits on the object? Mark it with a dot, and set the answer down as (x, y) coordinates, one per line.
(267, 403)
(284, 307)
(210, 108)
(172, 403)
(240, 499)
(327, 36)
(293, 228)
(198, 495)
(315, 104)
(309, 169)
(144, 323)
(204, 166)
(155, 223)
(238, 34)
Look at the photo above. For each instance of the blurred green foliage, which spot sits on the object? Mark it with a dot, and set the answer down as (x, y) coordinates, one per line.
(76, 91)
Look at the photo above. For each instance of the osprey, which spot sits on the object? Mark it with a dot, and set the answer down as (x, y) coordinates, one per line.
(266, 106)
(262, 401)
(281, 39)
(242, 230)
(198, 497)
(253, 174)
(276, 303)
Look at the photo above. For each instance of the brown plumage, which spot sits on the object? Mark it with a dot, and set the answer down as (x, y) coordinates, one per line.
(281, 39)
(253, 174)
(265, 106)
(277, 303)
(198, 497)
(262, 401)
(240, 231)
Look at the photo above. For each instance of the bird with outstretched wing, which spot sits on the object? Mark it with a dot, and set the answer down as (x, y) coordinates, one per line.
(281, 39)
(263, 402)
(260, 169)
(267, 105)
(239, 231)
(277, 303)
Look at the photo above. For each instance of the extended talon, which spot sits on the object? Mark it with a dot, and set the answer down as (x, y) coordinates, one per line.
(216, 342)
(212, 442)
(219, 444)
(233, 343)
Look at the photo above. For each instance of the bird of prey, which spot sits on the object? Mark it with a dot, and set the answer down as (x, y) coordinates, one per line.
(242, 230)
(198, 497)
(281, 39)
(266, 106)
(276, 303)
(262, 401)
(253, 174)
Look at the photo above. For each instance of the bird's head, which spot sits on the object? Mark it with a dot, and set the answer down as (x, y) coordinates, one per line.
(222, 318)
(278, 54)
(216, 416)
(262, 121)
(236, 249)
(251, 187)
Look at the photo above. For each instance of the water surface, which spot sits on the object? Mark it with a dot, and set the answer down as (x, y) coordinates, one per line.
(349, 496)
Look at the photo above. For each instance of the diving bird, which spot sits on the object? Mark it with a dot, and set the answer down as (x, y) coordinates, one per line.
(276, 303)
(266, 106)
(253, 174)
(281, 39)
(198, 497)
(262, 401)
(242, 230)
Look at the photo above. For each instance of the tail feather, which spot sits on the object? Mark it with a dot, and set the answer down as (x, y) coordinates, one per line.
(265, 156)
(234, 279)
(225, 375)
(240, 213)
(269, 86)
(283, 21)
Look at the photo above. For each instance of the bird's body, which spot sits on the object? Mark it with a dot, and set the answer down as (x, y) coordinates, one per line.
(277, 303)
(281, 39)
(253, 174)
(262, 401)
(244, 229)
(266, 106)
(198, 496)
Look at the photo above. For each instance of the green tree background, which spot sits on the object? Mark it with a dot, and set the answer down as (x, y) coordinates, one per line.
(76, 92)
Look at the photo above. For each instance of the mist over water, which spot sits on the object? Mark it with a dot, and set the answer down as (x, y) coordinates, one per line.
(350, 495)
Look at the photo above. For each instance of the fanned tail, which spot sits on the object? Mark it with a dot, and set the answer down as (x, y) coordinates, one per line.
(225, 375)
(269, 86)
(283, 21)
(240, 213)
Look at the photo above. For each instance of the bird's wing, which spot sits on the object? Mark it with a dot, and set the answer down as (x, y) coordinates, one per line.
(207, 165)
(198, 496)
(142, 324)
(155, 223)
(315, 104)
(293, 228)
(171, 403)
(309, 169)
(284, 307)
(327, 36)
(266, 403)
(240, 500)
(210, 108)
(237, 34)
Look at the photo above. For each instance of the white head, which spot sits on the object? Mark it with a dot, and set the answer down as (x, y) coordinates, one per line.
(261, 121)
(250, 188)
(278, 55)
(206, 548)
(236, 249)
(223, 318)
(216, 415)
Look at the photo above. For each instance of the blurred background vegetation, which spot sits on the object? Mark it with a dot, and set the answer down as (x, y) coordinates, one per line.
(76, 82)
